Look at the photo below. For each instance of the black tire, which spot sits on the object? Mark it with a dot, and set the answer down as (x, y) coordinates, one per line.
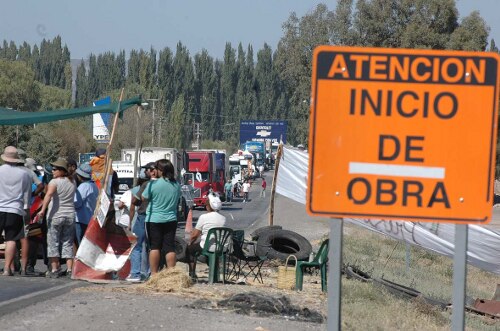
(279, 244)
(180, 248)
(258, 232)
(180, 252)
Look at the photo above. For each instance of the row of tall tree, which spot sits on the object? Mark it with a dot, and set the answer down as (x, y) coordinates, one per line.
(243, 85)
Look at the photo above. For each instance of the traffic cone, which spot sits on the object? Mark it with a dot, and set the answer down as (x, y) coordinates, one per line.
(189, 222)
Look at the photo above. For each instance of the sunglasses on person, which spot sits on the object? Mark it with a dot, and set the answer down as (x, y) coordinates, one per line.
(151, 169)
(57, 169)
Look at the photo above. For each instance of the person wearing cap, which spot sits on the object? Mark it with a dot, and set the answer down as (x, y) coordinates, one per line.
(98, 164)
(138, 227)
(207, 221)
(15, 189)
(161, 215)
(85, 200)
(59, 205)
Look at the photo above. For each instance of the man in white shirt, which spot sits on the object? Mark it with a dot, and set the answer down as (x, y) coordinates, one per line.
(211, 219)
(246, 189)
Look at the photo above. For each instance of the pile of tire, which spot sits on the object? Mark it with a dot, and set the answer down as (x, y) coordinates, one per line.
(275, 243)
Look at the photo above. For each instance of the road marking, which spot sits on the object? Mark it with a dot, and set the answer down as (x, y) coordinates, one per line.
(34, 294)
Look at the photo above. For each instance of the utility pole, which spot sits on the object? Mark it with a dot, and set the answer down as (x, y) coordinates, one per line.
(153, 121)
(197, 134)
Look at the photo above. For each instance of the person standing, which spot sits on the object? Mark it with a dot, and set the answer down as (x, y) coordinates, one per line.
(25, 164)
(15, 188)
(72, 166)
(139, 226)
(264, 185)
(98, 164)
(246, 190)
(85, 200)
(161, 215)
(34, 242)
(228, 188)
(60, 207)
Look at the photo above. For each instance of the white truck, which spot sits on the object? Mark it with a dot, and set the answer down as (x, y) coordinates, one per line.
(152, 154)
(125, 172)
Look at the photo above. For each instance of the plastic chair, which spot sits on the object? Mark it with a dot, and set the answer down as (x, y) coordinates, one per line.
(319, 262)
(241, 261)
(219, 237)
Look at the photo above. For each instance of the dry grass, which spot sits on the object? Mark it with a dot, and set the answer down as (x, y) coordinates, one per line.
(365, 306)
(429, 273)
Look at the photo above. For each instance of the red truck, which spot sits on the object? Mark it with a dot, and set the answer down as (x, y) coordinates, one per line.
(205, 172)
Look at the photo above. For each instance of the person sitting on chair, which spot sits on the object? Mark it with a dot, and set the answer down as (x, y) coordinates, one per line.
(206, 222)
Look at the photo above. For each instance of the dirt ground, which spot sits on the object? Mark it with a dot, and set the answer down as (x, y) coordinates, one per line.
(202, 306)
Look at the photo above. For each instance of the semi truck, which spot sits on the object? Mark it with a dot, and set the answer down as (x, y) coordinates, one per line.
(152, 154)
(258, 149)
(206, 173)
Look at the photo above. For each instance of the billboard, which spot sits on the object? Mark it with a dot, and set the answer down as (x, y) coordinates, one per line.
(263, 131)
(100, 130)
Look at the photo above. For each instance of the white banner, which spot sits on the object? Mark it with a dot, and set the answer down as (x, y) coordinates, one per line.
(483, 243)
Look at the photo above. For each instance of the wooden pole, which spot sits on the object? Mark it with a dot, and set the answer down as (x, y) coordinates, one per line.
(110, 144)
(273, 187)
(108, 160)
(138, 141)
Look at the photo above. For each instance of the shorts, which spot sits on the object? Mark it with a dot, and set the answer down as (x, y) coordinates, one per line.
(13, 225)
(161, 236)
(60, 232)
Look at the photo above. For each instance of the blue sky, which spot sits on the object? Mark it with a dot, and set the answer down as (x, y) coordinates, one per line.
(96, 26)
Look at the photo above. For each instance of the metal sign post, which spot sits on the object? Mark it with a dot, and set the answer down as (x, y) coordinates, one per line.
(335, 275)
(459, 277)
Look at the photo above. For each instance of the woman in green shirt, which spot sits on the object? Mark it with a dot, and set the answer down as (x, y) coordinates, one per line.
(161, 215)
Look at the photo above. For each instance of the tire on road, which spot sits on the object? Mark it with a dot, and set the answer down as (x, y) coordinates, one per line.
(180, 251)
(258, 232)
(180, 248)
(279, 244)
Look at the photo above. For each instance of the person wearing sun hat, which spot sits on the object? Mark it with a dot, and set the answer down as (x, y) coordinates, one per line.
(37, 187)
(207, 221)
(85, 200)
(15, 188)
(60, 207)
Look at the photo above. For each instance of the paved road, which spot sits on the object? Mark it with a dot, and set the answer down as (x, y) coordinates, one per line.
(16, 292)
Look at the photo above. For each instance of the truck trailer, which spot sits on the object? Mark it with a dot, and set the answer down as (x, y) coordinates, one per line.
(152, 154)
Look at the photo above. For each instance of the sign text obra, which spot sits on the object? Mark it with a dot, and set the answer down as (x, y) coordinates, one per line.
(403, 134)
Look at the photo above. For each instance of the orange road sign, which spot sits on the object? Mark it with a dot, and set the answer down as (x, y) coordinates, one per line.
(403, 134)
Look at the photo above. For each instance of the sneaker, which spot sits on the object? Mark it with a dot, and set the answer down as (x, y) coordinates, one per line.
(68, 274)
(133, 279)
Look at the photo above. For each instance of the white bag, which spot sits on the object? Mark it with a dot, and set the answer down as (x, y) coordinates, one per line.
(123, 220)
